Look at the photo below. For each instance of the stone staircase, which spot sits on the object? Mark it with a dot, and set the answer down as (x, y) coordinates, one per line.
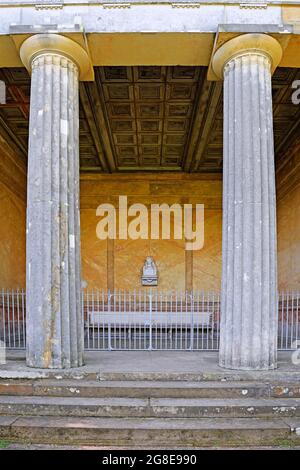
(149, 413)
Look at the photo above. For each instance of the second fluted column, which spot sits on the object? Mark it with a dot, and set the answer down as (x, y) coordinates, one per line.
(249, 275)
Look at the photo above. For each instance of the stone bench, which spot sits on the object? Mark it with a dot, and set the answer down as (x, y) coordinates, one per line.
(167, 320)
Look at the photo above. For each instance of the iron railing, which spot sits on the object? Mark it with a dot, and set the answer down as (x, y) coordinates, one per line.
(147, 320)
(151, 320)
(13, 318)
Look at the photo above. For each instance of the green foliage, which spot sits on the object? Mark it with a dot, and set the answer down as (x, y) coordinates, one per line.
(4, 444)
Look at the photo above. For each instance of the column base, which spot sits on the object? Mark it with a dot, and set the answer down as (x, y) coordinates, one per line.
(38, 364)
(249, 368)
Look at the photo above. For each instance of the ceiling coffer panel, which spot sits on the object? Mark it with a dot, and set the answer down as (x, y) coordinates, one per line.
(149, 112)
(149, 118)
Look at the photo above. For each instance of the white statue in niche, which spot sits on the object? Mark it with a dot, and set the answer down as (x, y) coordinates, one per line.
(149, 276)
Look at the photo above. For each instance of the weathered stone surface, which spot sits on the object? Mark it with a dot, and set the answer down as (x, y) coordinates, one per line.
(142, 431)
(149, 407)
(174, 412)
(144, 389)
(54, 325)
(249, 284)
(200, 366)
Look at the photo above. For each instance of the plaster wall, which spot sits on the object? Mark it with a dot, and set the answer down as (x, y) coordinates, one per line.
(12, 218)
(288, 236)
(12, 239)
(117, 263)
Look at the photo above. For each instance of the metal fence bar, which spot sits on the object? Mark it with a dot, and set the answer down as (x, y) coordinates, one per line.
(147, 319)
(282, 322)
(23, 318)
(3, 322)
(286, 320)
(297, 321)
(12, 319)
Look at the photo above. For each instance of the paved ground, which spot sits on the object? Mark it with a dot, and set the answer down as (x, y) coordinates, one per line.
(111, 449)
(154, 365)
(132, 365)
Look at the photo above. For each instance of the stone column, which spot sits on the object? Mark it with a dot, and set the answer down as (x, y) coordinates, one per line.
(54, 321)
(249, 265)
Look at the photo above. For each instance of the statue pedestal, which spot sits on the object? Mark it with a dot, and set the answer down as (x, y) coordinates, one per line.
(149, 280)
(149, 273)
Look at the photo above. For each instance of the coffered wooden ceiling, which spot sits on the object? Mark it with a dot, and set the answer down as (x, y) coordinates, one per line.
(149, 118)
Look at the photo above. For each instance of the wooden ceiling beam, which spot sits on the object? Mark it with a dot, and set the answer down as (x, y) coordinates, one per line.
(208, 102)
(87, 105)
(12, 140)
(98, 124)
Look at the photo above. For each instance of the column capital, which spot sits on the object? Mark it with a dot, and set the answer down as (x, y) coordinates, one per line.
(245, 44)
(51, 43)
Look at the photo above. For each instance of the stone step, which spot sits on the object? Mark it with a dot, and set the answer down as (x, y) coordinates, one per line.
(152, 407)
(162, 366)
(150, 432)
(146, 389)
(211, 376)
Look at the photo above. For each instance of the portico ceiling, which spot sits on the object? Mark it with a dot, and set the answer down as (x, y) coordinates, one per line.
(149, 118)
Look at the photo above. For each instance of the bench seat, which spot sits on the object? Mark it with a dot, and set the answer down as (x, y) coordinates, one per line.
(144, 319)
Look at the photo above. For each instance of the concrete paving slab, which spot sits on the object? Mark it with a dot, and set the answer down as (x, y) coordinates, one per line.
(294, 424)
(20, 446)
(5, 425)
(7, 420)
(162, 407)
(166, 432)
(151, 365)
(149, 423)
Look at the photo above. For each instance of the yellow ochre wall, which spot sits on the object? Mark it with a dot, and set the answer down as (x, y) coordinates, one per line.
(117, 264)
(12, 240)
(12, 219)
(288, 219)
(178, 269)
(288, 226)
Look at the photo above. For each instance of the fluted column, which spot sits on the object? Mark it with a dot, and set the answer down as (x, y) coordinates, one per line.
(249, 265)
(54, 321)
